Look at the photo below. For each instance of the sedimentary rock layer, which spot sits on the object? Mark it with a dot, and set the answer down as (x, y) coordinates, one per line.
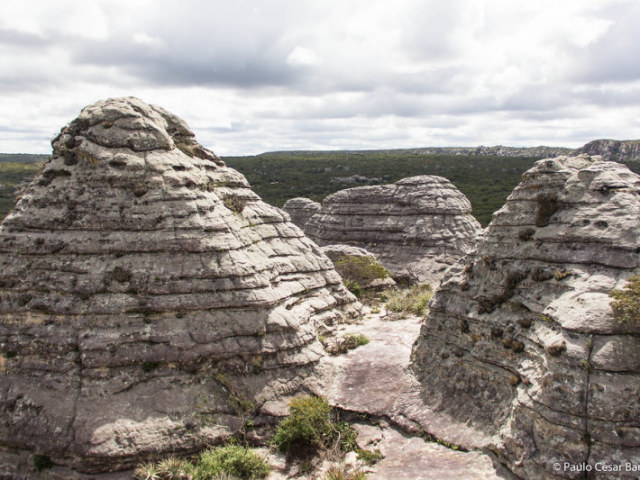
(417, 226)
(301, 210)
(149, 299)
(521, 341)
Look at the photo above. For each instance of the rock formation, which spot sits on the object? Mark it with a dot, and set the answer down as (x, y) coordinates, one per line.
(417, 226)
(521, 341)
(613, 150)
(150, 301)
(301, 210)
(338, 251)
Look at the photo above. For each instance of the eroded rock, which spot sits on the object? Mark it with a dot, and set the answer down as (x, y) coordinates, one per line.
(150, 299)
(417, 226)
(301, 210)
(521, 342)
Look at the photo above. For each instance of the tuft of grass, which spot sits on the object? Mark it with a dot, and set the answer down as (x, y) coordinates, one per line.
(626, 306)
(147, 471)
(414, 300)
(341, 473)
(234, 460)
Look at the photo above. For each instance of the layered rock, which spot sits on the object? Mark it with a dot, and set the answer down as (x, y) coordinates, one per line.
(613, 150)
(150, 301)
(521, 342)
(301, 210)
(417, 226)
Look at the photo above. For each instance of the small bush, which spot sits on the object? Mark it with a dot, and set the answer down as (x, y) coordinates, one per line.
(547, 206)
(174, 468)
(626, 306)
(349, 341)
(233, 460)
(413, 300)
(354, 287)
(311, 427)
(359, 270)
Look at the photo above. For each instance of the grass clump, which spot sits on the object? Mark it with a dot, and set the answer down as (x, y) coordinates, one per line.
(313, 426)
(349, 341)
(358, 272)
(233, 462)
(626, 306)
(341, 473)
(414, 300)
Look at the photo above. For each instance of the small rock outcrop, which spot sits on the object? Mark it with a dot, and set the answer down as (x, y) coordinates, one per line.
(521, 342)
(338, 251)
(613, 150)
(150, 301)
(301, 210)
(417, 226)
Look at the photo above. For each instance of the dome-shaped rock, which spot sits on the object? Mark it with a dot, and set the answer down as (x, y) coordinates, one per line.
(417, 226)
(149, 299)
(521, 341)
(301, 210)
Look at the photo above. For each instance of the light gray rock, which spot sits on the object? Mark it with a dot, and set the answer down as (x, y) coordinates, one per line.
(338, 251)
(301, 210)
(613, 150)
(417, 227)
(521, 342)
(144, 287)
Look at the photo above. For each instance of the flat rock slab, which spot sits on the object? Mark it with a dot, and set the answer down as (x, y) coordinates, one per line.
(375, 379)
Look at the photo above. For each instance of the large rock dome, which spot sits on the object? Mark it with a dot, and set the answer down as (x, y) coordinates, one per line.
(521, 341)
(144, 290)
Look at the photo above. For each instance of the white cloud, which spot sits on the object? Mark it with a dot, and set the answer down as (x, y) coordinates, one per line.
(250, 75)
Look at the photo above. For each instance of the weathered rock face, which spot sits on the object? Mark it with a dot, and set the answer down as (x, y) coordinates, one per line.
(521, 341)
(301, 210)
(613, 150)
(417, 226)
(338, 251)
(145, 289)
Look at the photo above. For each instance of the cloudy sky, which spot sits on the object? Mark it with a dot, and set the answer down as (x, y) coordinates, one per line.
(256, 75)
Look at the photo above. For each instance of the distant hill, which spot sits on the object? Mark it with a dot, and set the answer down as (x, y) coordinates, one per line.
(614, 150)
(486, 175)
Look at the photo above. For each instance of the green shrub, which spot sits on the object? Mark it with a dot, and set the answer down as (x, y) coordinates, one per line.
(354, 287)
(413, 300)
(626, 306)
(233, 460)
(359, 270)
(311, 427)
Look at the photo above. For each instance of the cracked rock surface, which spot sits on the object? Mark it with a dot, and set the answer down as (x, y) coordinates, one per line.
(417, 226)
(521, 342)
(143, 287)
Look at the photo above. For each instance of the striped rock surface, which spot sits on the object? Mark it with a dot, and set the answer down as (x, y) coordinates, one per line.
(521, 341)
(149, 299)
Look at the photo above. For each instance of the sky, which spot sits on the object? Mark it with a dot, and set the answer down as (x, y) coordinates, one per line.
(251, 76)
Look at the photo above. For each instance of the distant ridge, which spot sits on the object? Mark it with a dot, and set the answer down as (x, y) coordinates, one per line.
(613, 150)
(499, 150)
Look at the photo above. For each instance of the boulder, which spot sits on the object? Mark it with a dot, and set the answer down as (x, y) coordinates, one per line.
(521, 341)
(337, 251)
(417, 227)
(151, 302)
(301, 210)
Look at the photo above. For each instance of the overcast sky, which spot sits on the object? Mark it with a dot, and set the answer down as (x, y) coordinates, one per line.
(251, 76)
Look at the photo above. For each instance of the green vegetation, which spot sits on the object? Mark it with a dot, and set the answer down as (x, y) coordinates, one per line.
(358, 272)
(13, 175)
(338, 473)
(626, 306)
(349, 341)
(413, 300)
(278, 176)
(227, 462)
(312, 426)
